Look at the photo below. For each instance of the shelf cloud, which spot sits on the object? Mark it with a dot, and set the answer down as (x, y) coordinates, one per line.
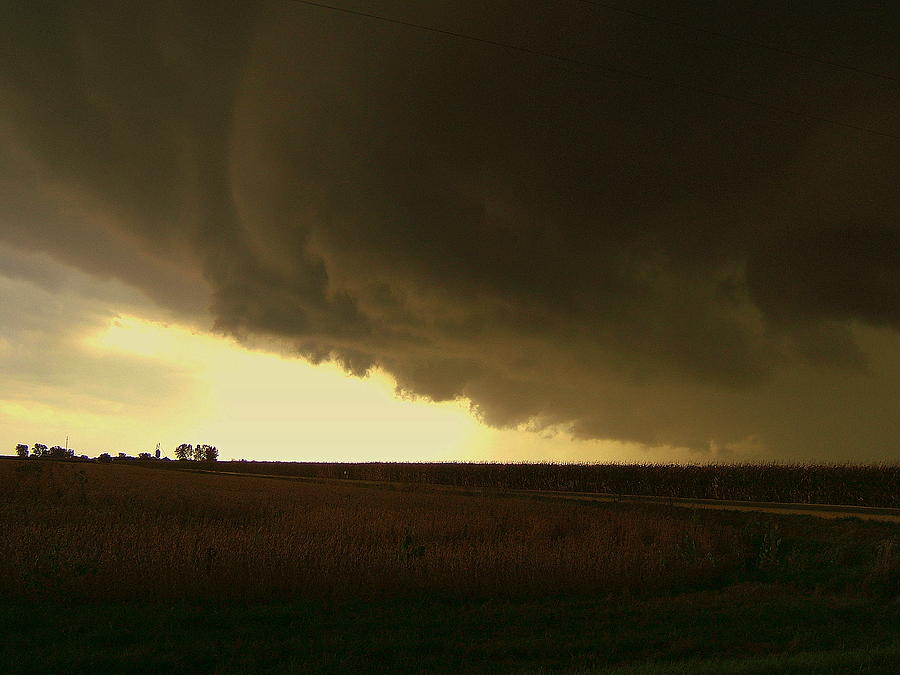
(593, 243)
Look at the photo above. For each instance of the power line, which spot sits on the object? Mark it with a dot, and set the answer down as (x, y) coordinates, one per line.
(609, 69)
(441, 31)
(735, 38)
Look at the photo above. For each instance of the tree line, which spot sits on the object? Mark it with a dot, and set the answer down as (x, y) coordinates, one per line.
(41, 450)
(201, 452)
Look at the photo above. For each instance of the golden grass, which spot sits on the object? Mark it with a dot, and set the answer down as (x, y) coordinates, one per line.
(114, 531)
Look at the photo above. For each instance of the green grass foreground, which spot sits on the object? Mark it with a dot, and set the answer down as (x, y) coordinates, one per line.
(743, 629)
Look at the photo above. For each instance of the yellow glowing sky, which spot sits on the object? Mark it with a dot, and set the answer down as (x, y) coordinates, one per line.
(254, 404)
(261, 405)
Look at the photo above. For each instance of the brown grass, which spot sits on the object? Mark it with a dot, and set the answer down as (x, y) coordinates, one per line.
(118, 531)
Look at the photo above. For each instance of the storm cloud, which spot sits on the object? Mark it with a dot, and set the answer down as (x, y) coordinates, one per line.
(593, 243)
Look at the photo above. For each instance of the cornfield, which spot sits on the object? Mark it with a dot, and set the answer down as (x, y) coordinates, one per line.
(847, 484)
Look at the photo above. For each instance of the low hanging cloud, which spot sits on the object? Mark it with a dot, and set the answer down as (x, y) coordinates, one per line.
(560, 244)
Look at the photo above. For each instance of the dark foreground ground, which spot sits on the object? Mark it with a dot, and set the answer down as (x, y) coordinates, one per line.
(743, 629)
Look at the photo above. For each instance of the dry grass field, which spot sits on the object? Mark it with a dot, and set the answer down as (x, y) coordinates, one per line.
(93, 531)
(85, 533)
(114, 531)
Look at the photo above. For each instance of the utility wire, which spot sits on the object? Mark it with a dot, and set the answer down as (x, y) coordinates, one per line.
(441, 31)
(609, 69)
(742, 40)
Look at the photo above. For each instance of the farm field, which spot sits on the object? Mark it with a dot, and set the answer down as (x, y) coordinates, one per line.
(872, 485)
(124, 566)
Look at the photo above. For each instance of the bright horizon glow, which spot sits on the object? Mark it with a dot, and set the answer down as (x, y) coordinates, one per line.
(259, 405)
(184, 386)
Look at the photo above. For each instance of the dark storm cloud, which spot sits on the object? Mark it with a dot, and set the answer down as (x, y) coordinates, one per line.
(556, 242)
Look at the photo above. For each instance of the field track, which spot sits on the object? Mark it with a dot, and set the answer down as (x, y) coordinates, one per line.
(819, 510)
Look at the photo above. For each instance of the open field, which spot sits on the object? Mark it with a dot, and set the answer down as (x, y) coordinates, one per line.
(873, 485)
(329, 577)
(884, 514)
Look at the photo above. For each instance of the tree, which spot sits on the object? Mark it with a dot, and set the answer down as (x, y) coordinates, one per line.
(39, 450)
(22, 450)
(105, 457)
(201, 452)
(59, 452)
(184, 452)
(145, 455)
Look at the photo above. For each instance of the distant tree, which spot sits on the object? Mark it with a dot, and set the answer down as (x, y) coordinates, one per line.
(145, 455)
(201, 452)
(39, 450)
(59, 452)
(105, 457)
(22, 450)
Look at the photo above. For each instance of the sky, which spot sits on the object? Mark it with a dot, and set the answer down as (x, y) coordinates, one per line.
(566, 230)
